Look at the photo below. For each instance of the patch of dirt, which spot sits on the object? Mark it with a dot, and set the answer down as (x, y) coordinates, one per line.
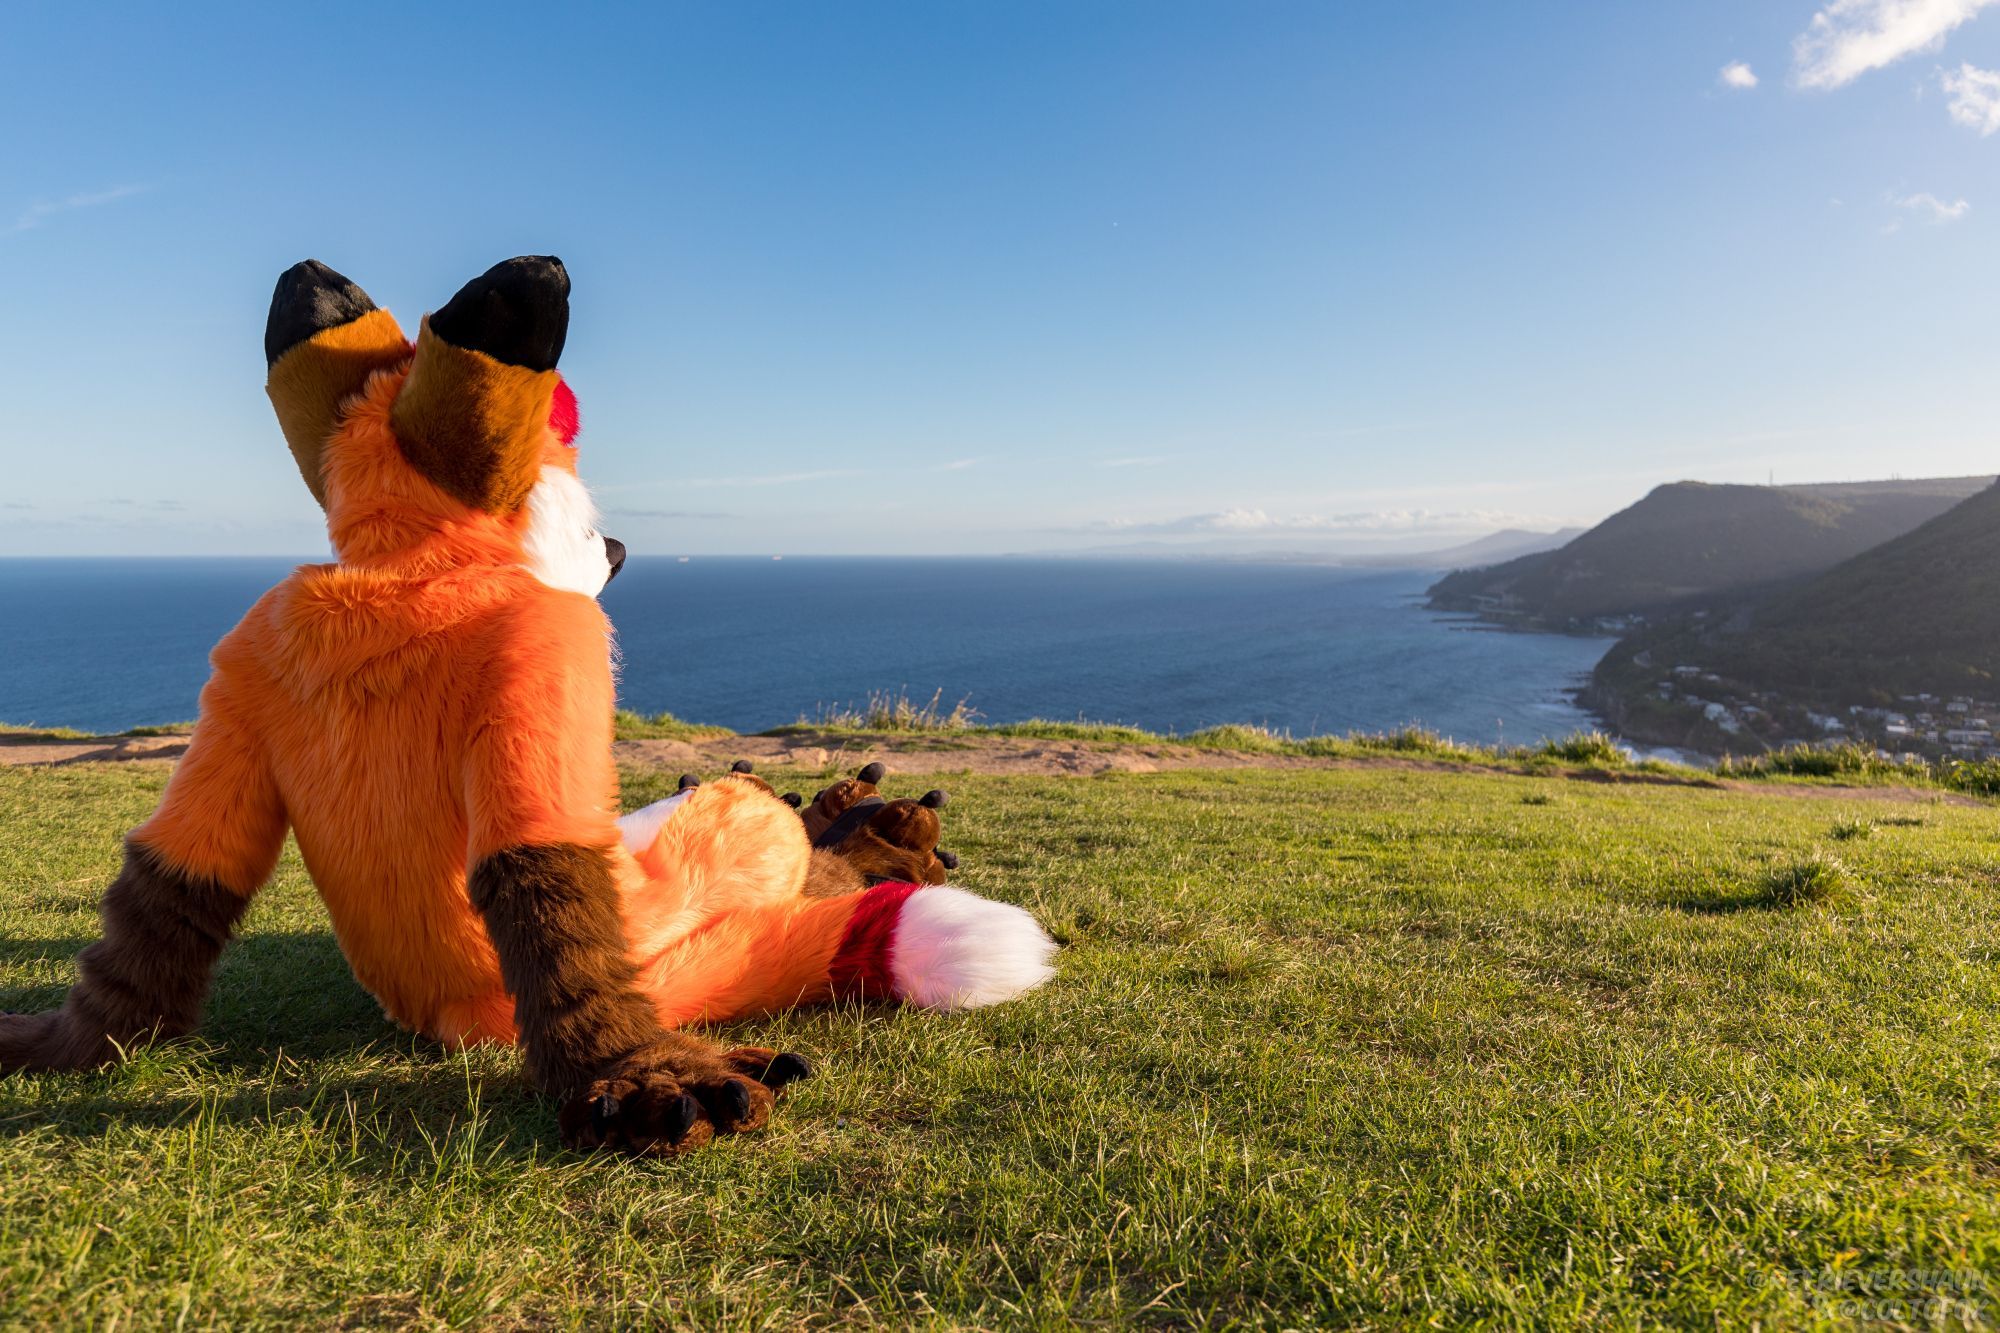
(1007, 755)
(91, 750)
(918, 754)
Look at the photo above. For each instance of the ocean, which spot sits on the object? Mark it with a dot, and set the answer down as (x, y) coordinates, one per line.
(105, 644)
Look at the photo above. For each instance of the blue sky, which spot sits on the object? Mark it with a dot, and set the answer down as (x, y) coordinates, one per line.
(978, 277)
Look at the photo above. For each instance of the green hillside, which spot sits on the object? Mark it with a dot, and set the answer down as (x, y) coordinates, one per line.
(1691, 539)
(1366, 1046)
(1918, 613)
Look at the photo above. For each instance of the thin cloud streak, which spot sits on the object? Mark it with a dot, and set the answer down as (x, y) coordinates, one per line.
(41, 210)
(1259, 522)
(667, 513)
(769, 479)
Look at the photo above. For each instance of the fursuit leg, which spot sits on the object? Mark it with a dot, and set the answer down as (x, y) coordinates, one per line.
(189, 875)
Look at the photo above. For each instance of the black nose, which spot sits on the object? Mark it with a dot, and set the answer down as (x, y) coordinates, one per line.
(614, 551)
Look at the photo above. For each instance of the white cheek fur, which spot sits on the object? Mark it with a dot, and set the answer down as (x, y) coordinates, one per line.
(563, 546)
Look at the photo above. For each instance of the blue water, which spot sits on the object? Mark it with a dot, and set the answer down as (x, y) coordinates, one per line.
(1173, 646)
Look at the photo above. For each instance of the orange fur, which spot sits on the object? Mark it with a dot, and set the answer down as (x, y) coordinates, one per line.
(475, 426)
(427, 702)
(310, 382)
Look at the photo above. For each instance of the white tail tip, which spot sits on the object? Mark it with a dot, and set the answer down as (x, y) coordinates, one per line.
(956, 950)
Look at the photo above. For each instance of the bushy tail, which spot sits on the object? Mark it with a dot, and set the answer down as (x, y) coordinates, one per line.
(940, 948)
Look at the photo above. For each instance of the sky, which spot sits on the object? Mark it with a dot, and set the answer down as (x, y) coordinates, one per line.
(1005, 276)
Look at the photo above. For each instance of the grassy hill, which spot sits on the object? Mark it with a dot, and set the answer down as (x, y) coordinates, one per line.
(1375, 1045)
(1692, 539)
(1918, 613)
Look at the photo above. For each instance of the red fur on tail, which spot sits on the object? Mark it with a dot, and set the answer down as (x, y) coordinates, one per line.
(861, 965)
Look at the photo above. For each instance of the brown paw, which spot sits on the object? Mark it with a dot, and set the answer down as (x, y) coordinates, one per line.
(43, 1043)
(894, 840)
(830, 803)
(644, 1114)
(658, 1112)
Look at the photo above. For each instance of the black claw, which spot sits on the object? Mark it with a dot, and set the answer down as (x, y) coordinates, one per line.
(601, 1112)
(741, 766)
(736, 1100)
(786, 1068)
(935, 798)
(680, 1115)
(689, 780)
(874, 772)
(949, 860)
(793, 799)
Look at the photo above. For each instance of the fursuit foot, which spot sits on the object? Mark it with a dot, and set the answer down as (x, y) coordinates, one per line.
(667, 1102)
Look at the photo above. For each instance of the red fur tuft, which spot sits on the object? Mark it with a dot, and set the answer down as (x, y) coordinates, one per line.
(563, 417)
(860, 965)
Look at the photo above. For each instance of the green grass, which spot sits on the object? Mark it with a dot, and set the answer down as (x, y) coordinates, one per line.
(892, 715)
(1386, 1045)
(889, 711)
(1046, 729)
(28, 731)
(1846, 761)
(31, 732)
(627, 725)
(1807, 882)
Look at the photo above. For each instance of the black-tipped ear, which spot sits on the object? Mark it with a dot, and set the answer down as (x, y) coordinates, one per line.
(688, 781)
(742, 766)
(310, 298)
(793, 799)
(874, 773)
(516, 312)
(934, 798)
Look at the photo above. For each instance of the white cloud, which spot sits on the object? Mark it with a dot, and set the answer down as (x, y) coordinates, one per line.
(1933, 209)
(1850, 37)
(1975, 97)
(771, 478)
(1260, 522)
(35, 214)
(667, 513)
(1736, 74)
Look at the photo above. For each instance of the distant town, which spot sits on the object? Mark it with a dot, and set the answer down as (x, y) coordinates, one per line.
(1926, 725)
